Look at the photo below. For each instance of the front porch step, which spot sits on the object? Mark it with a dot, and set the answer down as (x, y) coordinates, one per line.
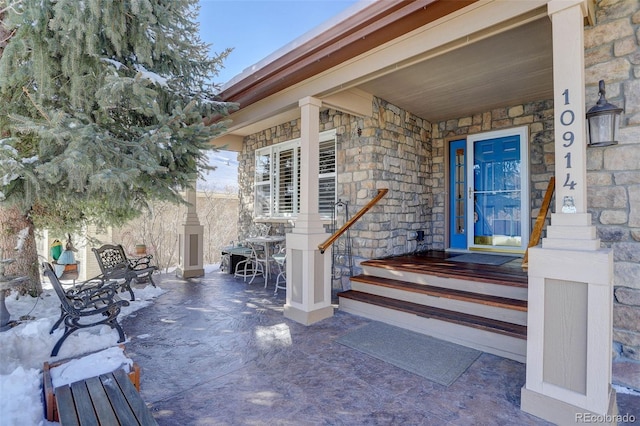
(449, 278)
(488, 335)
(478, 304)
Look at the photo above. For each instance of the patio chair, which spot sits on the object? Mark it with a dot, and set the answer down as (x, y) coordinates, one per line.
(253, 265)
(86, 306)
(116, 266)
(280, 259)
(259, 230)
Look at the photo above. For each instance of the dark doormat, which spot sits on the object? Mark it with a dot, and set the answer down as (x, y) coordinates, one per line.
(434, 359)
(483, 259)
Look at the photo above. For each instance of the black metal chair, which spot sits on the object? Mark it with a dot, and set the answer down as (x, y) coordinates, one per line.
(115, 265)
(88, 305)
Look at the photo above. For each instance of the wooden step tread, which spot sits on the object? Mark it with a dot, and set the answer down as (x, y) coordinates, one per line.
(467, 296)
(487, 324)
(438, 264)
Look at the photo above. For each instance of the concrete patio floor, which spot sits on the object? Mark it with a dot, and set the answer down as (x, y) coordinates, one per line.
(217, 351)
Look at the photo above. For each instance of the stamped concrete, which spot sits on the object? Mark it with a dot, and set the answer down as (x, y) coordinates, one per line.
(217, 351)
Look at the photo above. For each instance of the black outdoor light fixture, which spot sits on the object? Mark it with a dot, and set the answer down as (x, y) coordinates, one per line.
(603, 121)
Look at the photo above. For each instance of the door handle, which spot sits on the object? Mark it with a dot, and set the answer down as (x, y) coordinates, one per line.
(470, 192)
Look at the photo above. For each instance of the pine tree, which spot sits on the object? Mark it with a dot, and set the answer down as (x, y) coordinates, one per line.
(104, 102)
(102, 108)
(12, 221)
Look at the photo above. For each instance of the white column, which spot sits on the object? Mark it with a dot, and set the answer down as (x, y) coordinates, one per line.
(308, 271)
(190, 244)
(570, 277)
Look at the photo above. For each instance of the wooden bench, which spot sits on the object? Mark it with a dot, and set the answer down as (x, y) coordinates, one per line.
(109, 399)
(115, 265)
(50, 407)
(86, 305)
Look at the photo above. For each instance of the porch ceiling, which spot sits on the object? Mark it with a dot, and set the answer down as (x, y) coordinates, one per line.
(512, 67)
(508, 63)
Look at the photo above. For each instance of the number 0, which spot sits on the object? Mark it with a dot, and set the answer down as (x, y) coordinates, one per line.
(563, 117)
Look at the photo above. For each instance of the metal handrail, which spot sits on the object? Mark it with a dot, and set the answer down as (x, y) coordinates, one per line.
(350, 222)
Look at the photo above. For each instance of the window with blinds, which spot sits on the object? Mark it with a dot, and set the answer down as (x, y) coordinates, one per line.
(286, 181)
(277, 178)
(263, 184)
(327, 176)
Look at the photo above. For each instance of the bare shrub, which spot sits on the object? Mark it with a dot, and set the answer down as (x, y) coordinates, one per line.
(159, 230)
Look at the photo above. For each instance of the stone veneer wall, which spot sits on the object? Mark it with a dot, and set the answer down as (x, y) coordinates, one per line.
(538, 116)
(612, 53)
(393, 152)
(390, 150)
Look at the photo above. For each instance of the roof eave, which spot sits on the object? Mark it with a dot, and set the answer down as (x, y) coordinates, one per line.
(377, 24)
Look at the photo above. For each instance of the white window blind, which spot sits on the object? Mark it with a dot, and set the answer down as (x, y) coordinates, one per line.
(277, 178)
(327, 176)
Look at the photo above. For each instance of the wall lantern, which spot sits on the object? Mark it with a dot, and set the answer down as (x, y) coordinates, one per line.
(603, 121)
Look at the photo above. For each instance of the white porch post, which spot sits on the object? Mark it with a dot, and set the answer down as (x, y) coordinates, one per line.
(570, 277)
(308, 271)
(190, 244)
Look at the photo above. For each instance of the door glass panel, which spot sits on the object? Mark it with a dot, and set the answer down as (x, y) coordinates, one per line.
(497, 177)
(460, 206)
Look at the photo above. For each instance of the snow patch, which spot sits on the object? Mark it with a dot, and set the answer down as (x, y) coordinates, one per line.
(151, 76)
(92, 365)
(113, 62)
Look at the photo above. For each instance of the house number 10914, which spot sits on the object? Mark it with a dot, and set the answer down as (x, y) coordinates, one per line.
(567, 118)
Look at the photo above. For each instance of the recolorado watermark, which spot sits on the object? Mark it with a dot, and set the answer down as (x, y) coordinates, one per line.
(605, 418)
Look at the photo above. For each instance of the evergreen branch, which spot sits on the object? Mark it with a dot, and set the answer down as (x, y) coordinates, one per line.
(8, 37)
(10, 6)
(40, 110)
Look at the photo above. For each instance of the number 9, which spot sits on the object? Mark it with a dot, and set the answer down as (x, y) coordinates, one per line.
(568, 137)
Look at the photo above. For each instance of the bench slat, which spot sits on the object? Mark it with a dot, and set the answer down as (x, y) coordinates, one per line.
(138, 406)
(84, 407)
(118, 401)
(66, 407)
(101, 402)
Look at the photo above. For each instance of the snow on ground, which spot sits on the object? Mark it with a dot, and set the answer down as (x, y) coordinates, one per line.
(25, 347)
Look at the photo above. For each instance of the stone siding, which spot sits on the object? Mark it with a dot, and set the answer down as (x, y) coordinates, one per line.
(612, 53)
(392, 152)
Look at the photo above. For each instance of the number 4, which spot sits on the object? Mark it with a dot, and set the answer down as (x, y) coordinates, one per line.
(572, 184)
